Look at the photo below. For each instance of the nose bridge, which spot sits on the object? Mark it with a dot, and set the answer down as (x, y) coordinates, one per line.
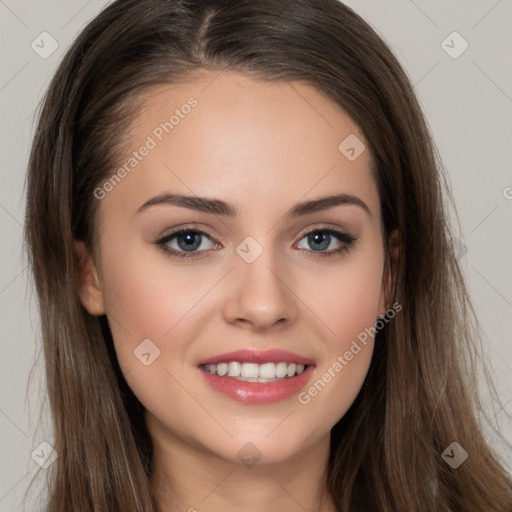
(259, 296)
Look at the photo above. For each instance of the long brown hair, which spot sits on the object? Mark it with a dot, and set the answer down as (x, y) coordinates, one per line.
(420, 394)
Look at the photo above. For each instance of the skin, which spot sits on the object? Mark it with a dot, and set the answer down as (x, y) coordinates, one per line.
(262, 147)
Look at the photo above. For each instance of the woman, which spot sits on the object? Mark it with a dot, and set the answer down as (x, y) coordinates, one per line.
(249, 296)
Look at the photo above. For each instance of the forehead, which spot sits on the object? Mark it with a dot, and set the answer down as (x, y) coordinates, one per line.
(226, 134)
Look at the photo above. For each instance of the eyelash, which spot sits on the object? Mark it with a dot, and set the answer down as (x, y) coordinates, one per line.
(346, 239)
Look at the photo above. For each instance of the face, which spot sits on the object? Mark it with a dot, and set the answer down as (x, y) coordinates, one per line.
(242, 239)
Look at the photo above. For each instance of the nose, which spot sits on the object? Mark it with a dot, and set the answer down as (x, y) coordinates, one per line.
(261, 296)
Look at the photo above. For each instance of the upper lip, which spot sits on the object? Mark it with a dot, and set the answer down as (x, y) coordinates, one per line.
(257, 356)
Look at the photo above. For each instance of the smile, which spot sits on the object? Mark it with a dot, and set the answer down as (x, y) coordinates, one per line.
(257, 376)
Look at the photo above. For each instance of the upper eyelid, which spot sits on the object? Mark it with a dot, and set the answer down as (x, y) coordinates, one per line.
(185, 229)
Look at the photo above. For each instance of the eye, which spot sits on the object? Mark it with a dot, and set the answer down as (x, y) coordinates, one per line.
(189, 242)
(185, 242)
(327, 241)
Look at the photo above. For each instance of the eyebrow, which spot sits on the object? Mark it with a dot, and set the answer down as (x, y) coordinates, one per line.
(219, 207)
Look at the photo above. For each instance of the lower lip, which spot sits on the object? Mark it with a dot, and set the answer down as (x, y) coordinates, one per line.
(258, 392)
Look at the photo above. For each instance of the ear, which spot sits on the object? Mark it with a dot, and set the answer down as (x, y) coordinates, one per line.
(389, 274)
(90, 292)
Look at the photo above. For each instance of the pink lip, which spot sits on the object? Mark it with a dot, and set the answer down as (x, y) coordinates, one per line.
(258, 356)
(258, 392)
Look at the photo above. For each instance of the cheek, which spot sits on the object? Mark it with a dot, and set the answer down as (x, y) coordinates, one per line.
(347, 297)
(348, 308)
(145, 300)
(356, 304)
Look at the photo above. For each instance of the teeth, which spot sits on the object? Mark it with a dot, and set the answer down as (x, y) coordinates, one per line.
(281, 369)
(249, 370)
(267, 371)
(222, 369)
(235, 369)
(252, 372)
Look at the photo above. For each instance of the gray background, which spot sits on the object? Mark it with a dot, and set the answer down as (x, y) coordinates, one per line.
(468, 103)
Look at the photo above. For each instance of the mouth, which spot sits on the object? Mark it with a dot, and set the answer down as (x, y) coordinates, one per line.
(255, 376)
